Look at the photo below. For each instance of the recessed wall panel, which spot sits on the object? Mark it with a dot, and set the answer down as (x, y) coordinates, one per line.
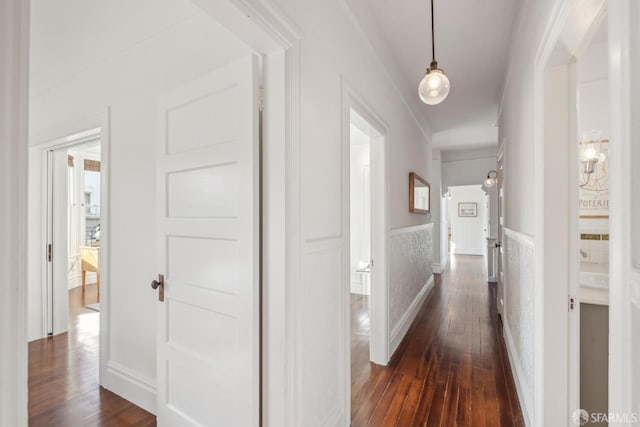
(210, 192)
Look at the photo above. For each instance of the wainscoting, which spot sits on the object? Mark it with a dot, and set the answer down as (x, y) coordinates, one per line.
(411, 277)
(519, 314)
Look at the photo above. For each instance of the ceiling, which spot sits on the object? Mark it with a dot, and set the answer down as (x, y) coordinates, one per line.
(69, 37)
(472, 44)
(472, 41)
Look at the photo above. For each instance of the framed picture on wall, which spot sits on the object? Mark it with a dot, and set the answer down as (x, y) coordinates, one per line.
(467, 209)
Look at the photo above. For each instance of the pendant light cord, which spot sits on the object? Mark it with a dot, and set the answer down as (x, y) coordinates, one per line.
(433, 37)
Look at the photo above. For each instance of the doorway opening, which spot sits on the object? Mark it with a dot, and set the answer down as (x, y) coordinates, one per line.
(571, 88)
(366, 263)
(67, 189)
(73, 197)
(361, 262)
(592, 106)
(468, 220)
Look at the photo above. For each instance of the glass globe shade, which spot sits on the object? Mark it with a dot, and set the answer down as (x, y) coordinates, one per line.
(489, 182)
(434, 87)
(590, 153)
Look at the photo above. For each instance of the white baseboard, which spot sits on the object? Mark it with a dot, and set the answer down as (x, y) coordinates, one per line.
(130, 385)
(400, 330)
(518, 375)
(469, 251)
(440, 268)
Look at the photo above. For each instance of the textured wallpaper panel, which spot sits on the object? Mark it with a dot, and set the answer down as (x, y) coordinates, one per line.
(519, 302)
(411, 267)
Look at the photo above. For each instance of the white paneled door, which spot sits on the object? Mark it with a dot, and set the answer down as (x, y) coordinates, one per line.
(208, 250)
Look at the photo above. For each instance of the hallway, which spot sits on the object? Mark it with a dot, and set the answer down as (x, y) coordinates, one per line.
(452, 367)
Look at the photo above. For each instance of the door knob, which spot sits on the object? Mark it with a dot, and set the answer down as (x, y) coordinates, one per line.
(159, 284)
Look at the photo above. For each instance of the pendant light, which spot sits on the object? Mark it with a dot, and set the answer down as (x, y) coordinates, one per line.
(434, 87)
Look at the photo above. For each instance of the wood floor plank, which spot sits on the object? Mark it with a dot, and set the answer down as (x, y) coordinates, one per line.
(452, 367)
(63, 376)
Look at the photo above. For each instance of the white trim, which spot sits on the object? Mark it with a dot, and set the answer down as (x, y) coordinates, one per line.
(131, 385)
(14, 67)
(411, 229)
(522, 238)
(622, 35)
(400, 330)
(439, 268)
(518, 376)
(469, 251)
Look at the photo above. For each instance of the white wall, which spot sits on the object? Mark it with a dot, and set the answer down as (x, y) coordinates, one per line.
(470, 167)
(360, 195)
(467, 167)
(129, 82)
(334, 53)
(438, 205)
(467, 233)
(14, 17)
(517, 130)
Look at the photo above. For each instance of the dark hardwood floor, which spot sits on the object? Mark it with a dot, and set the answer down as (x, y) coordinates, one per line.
(63, 376)
(450, 370)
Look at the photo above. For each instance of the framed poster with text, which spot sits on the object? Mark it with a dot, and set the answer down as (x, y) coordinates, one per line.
(593, 194)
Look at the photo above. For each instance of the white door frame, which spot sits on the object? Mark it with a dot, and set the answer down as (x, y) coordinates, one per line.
(499, 263)
(624, 276)
(95, 128)
(55, 297)
(250, 20)
(557, 358)
(379, 341)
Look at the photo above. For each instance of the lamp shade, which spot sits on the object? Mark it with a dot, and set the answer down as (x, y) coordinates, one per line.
(434, 87)
(491, 179)
(489, 182)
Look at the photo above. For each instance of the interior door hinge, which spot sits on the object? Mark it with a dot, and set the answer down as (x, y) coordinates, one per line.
(49, 252)
(572, 303)
(261, 99)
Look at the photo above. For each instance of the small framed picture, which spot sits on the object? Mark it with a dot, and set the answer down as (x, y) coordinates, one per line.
(467, 209)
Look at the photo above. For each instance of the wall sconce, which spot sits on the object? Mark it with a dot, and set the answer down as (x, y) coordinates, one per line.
(491, 179)
(590, 152)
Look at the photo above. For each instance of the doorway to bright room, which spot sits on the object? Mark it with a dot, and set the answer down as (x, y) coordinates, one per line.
(367, 278)
(468, 220)
(69, 193)
(360, 266)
